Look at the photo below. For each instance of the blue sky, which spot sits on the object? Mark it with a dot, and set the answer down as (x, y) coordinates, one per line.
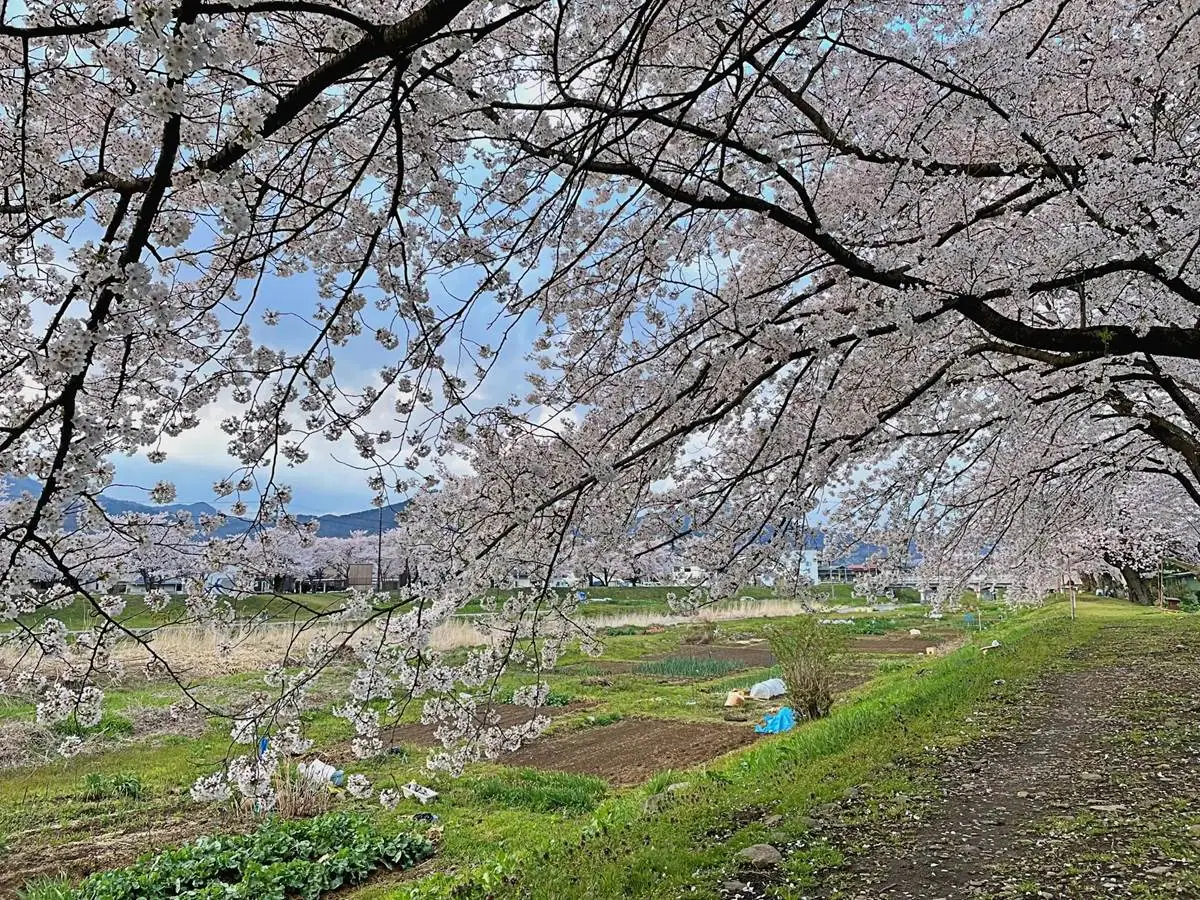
(198, 458)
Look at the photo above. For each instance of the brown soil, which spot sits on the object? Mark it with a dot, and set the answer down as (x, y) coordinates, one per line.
(630, 751)
(509, 715)
(91, 852)
(759, 655)
(894, 643)
(151, 721)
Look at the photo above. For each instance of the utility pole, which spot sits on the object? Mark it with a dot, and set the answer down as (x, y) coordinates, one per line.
(379, 554)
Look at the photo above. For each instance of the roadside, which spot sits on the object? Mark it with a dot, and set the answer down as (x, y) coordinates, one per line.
(1088, 787)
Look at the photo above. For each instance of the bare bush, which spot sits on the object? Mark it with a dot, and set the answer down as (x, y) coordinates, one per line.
(808, 653)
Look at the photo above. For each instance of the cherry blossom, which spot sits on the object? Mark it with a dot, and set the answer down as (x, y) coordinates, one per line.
(924, 274)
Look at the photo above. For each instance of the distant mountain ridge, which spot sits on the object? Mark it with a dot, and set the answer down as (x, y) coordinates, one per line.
(331, 524)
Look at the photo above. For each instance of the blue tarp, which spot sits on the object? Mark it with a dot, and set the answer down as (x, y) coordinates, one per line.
(784, 720)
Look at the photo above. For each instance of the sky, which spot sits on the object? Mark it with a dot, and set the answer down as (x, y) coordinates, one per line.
(198, 458)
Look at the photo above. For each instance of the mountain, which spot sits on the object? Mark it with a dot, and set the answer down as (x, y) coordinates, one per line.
(364, 520)
(331, 525)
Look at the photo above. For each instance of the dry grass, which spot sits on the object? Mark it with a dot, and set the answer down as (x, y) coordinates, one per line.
(205, 652)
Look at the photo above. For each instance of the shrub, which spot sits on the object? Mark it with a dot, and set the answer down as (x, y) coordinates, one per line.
(704, 633)
(687, 667)
(297, 797)
(108, 787)
(807, 654)
(541, 791)
(281, 860)
(621, 630)
(110, 725)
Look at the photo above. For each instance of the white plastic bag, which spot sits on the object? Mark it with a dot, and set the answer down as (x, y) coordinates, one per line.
(765, 690)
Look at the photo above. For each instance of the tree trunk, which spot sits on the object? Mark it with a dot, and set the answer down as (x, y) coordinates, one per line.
(1141, 590)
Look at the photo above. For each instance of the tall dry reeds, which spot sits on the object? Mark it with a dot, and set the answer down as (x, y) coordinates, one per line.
(198, 651)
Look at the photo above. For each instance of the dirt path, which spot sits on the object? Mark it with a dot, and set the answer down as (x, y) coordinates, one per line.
(1089, 788)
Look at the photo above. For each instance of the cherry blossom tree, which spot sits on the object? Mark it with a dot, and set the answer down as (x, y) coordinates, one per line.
(334, 557)
(930, 268)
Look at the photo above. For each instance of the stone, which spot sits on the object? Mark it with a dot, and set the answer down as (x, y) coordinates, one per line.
(655, 803)
(1158, 870)
(1022, 794)
(1089, 776)
(735, 887)
(761, 856)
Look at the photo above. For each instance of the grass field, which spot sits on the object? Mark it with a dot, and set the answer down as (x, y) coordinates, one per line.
(587, 804)
(599, 602)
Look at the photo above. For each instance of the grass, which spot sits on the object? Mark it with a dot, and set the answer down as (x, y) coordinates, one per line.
(269, 607)
(553, 698)
(540, 791)
(98, 786)
(622, 852)
(111, 724)
(46, 888)
(500, 821)
(687, 667)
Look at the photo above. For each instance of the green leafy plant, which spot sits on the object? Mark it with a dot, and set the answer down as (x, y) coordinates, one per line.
(807, 654)
(600, 719)
(659, 781)
(281, 860)
(553, 698)
(687, 667)
(541, 791)
(97, 786)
